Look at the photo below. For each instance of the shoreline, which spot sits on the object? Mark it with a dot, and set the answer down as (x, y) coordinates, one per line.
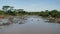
(52, 19)
(56, 20)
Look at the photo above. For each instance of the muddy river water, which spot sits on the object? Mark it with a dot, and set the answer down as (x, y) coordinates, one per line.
(30, 25)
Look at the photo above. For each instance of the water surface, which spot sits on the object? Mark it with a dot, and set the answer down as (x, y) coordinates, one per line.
(31, 25)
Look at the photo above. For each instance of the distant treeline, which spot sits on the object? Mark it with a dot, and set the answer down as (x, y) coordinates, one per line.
(9, 10)
(46, 13)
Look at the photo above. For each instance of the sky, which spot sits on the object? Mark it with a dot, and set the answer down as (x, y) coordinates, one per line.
(32, 5)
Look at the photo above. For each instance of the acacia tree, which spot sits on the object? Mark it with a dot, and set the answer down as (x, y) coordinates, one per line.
(6, 8)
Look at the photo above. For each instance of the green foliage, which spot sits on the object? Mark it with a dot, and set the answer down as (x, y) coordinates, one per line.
(53, 13)
(8, 10)
(46, 13)
(1, 12)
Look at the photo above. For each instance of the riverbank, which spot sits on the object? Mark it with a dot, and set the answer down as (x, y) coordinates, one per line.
(9, 19)
(56, 20)
(33, 25)
(2, 16)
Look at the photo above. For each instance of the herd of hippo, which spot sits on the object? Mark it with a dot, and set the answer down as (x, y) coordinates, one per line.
(12, 19)
(21, 19)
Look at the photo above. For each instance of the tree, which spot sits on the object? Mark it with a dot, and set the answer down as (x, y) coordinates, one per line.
(6, 8)
(46, 11)
(20, 10)
(54, 13)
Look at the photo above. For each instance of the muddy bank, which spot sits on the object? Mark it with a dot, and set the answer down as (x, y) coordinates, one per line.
(56, 20)
(10, 16)
(2, 16)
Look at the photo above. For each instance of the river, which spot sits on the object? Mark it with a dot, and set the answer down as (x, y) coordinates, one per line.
(31, 25)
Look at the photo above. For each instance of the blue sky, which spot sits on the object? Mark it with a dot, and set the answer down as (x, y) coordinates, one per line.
(32, 5)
